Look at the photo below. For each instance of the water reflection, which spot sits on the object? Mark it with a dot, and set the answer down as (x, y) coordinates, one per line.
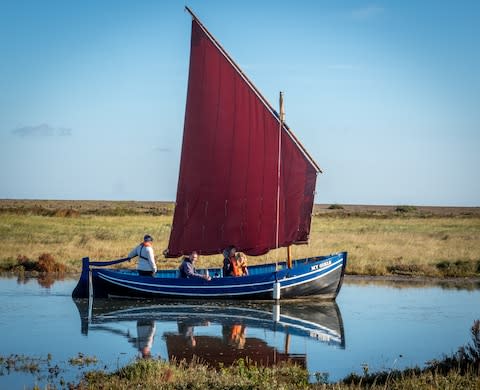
(145, 334)
(381, 322)
(233, 344)
(403, 282)
(45, 280)
(218, 333)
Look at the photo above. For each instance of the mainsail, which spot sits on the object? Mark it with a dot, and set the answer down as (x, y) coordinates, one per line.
(229, 179)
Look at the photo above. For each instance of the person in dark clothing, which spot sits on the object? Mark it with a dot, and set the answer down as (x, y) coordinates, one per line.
(187, 268)
(228, 256)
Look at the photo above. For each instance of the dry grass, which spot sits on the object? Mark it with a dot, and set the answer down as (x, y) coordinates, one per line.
(400, 245)
(458, 371)
(379, 241)
(70, 239)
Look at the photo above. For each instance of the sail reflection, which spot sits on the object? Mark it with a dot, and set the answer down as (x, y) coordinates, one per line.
(219, 333)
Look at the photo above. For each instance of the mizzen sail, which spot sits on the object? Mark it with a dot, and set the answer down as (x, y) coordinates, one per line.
(229, 180)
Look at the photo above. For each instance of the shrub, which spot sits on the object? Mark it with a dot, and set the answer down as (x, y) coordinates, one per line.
(335, 206)
(26, 264)
(47, 263)
(405, 209)
(467, 358)
(409, 269)
(456, 268)
(67, 213)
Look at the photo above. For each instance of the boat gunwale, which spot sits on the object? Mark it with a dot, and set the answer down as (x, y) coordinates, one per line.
(236, 287)
(286, 274)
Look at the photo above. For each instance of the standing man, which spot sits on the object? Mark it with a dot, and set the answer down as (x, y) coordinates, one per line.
(146, 264)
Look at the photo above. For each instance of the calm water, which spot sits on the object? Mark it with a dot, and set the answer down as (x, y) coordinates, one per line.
(382, 325)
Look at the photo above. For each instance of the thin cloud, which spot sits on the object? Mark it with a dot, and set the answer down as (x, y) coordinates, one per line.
(42, 130)
(367, 12)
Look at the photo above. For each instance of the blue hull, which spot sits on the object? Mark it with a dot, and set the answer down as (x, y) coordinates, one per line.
(319, 276)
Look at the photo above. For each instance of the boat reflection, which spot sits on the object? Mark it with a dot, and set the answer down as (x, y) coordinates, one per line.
(219, 333)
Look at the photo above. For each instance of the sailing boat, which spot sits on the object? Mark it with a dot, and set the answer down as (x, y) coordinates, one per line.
(244, 180)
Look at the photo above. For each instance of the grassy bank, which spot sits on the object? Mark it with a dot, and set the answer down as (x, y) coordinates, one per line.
(160, 375)
(380, 240)
(458, 371)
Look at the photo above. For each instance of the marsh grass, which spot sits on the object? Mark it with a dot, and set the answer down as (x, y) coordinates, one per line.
(406, 246)
(459, 371)
(82, 360)
(379, 242)
(158, 374)
(20, 363)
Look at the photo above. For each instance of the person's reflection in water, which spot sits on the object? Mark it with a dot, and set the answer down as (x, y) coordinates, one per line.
(145, 335)
(186, 327)
(235, 335)
(187, 331)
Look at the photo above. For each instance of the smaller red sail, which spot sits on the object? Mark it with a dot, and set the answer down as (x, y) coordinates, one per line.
(228, 180)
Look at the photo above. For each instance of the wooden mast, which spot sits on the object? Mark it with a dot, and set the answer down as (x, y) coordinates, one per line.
(289, 256)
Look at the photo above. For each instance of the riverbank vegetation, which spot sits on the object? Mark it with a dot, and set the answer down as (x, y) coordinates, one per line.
(459, 371)
(381, 240)
(160, 375)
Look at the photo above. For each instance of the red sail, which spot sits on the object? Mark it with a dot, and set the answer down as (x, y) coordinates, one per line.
(228, 181)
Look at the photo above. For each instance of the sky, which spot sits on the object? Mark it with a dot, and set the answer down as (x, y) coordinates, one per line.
(384, 95)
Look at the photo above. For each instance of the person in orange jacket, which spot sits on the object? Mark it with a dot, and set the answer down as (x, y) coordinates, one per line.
(239, 264)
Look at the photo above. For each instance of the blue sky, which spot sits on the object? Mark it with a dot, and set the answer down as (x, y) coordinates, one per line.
(384, 95)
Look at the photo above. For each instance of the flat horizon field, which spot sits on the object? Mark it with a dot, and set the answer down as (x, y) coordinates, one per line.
(145, 206)
(381, 240)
